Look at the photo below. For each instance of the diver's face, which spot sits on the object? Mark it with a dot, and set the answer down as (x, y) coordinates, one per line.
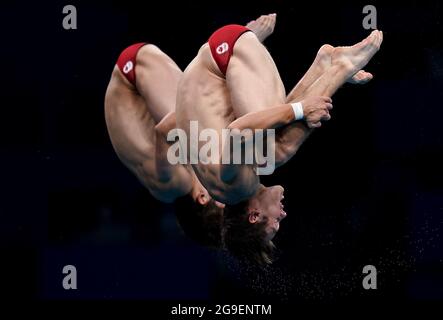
(267, 204)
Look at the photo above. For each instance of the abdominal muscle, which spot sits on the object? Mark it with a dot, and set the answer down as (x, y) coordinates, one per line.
(204, 97)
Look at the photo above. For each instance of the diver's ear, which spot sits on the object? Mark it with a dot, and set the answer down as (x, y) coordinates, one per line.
(202, 199)
(253, 216)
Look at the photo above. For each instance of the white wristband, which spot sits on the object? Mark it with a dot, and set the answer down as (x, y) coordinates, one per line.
(297, 107)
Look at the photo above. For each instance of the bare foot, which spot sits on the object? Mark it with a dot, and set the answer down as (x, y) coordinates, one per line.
(324, 60)
(263, 26)
(361, 77)
(356, 57)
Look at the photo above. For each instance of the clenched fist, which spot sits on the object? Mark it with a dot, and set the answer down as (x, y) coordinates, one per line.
(315, 110)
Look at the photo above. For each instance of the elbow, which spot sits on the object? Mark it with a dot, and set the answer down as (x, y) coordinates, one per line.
(233, 126)
(239, 131)
(158, 128)
(167, 124)
(161, 130)
(240, 126)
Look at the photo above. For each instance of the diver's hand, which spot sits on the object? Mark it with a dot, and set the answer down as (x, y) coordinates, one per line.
(316, 110)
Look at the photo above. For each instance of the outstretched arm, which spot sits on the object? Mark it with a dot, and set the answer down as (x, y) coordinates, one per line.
(314, 110)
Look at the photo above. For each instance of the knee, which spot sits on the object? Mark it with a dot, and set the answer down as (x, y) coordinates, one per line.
(149, 53)
(325, 51)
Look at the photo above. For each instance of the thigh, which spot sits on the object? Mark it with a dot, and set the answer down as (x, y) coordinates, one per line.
(157, 78)
(252, 77)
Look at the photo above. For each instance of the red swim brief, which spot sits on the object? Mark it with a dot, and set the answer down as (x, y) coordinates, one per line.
(222, 44)
(126, 61)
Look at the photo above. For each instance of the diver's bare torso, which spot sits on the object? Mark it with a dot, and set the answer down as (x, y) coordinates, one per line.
(203, 96)
(132, 131)
(206, 95)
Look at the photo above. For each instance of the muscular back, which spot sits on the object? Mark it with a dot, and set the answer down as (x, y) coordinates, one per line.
(131, 125)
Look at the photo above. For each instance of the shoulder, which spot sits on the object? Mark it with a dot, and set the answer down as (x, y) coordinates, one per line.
(150, 54)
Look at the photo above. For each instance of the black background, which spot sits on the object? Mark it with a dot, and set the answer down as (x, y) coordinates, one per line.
(364, 189)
